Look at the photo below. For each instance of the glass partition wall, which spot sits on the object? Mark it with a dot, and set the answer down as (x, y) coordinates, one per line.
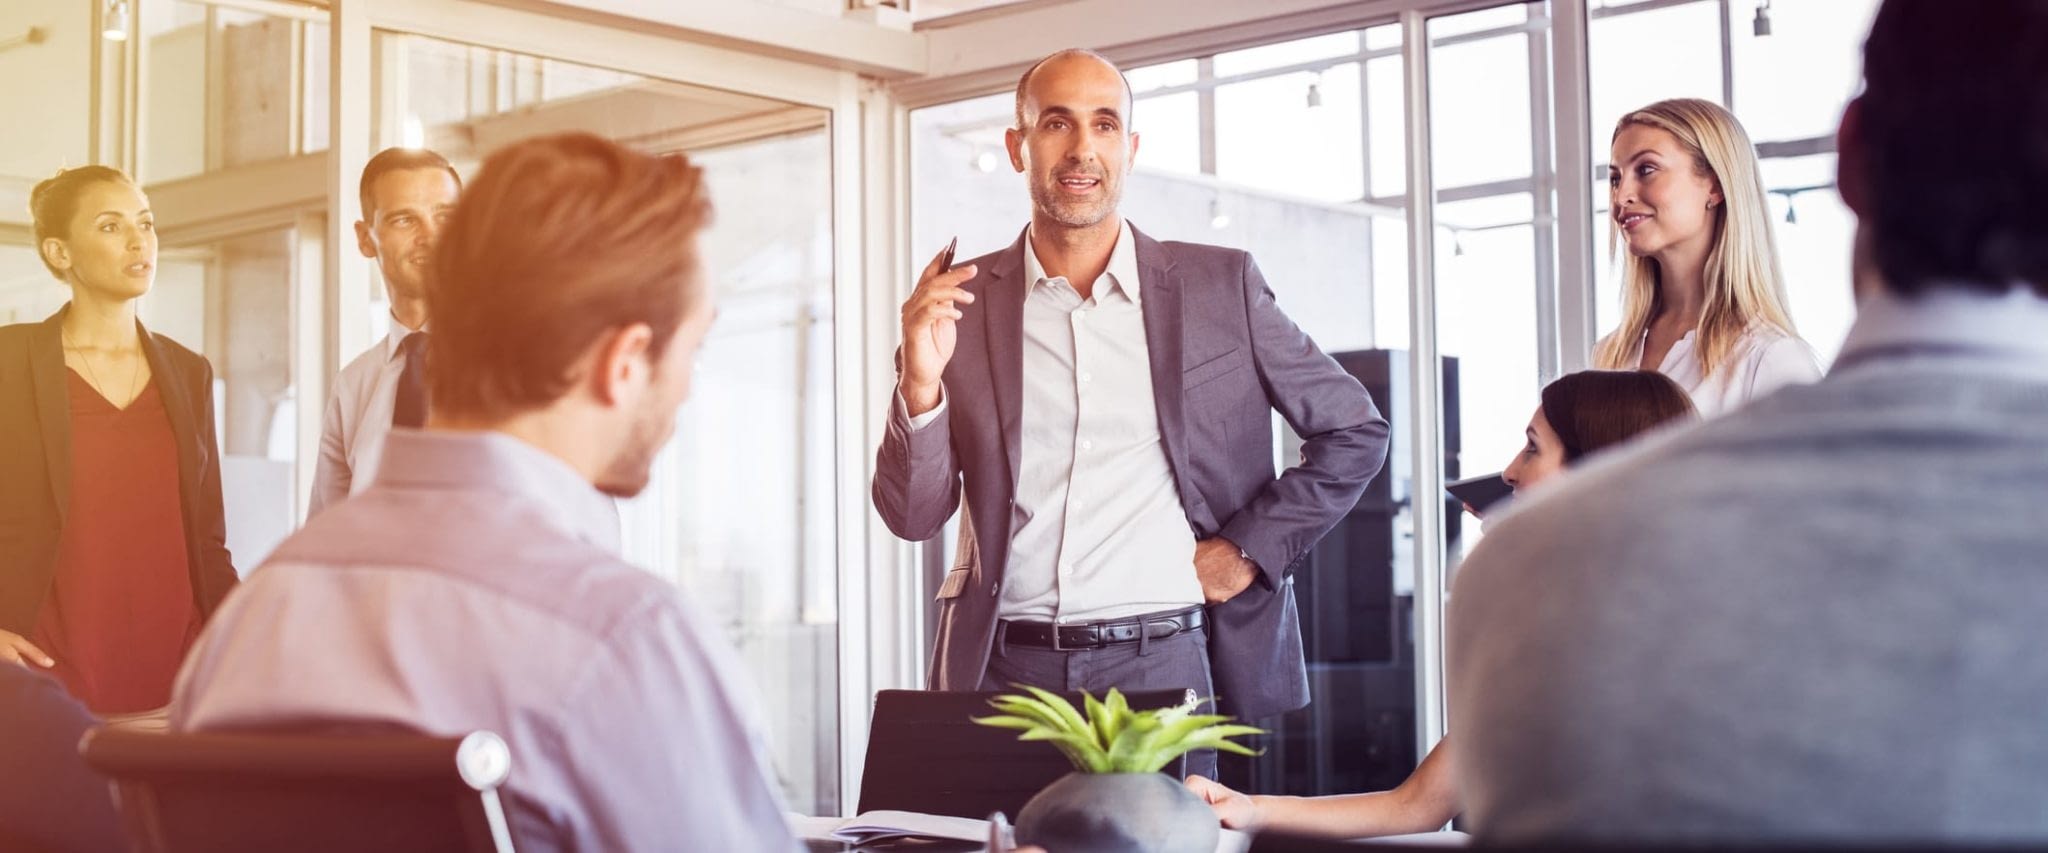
(739, 511)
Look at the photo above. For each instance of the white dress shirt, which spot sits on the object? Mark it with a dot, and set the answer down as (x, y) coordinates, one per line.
(1763, 361)
(1098, 527)
(358, 418)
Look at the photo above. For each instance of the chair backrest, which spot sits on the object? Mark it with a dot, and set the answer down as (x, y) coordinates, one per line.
(201, 793)
(926, 754)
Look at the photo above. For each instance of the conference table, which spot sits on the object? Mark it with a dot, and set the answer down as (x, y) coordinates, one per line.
(816, 834)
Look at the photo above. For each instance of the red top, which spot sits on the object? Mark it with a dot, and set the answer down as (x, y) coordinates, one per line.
(120, 614)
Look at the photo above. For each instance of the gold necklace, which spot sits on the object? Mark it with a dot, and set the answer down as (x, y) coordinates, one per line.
(134, 375)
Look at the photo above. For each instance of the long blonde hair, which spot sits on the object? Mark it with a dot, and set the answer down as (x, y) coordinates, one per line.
(1744, 285)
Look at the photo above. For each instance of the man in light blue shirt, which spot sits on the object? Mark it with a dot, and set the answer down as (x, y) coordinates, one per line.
(477, 584)
(1819, 619)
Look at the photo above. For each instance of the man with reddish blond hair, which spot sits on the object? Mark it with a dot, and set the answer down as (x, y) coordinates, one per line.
(476, 584)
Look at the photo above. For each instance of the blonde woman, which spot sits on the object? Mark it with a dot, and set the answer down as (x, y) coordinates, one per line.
(1703, 300)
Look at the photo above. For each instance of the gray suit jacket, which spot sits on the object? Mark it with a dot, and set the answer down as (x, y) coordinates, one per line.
(1223, 357)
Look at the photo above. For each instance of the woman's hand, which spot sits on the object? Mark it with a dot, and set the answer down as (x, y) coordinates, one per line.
(15, 648)
(1235, 810)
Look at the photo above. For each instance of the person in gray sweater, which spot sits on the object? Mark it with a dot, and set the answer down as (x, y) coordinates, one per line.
(1818, 619)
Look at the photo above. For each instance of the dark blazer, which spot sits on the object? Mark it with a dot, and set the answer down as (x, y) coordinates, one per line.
(35, 465)
(1223, 358)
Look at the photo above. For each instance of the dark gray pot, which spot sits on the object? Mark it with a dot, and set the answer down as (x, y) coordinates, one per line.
(1118, 813)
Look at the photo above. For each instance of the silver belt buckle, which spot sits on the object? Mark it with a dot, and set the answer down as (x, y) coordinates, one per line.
(1056, 644)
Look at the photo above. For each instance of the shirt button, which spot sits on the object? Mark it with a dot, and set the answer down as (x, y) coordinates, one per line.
(1079, 505)
(1066, 571)
(1087, 377)
(1087, 445)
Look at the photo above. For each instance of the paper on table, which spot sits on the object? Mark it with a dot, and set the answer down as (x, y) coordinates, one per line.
(875, 826)
(1445, 838)
(905, 824)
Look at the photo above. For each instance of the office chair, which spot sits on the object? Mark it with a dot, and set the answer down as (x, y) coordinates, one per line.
(926, 754)
(214, 793)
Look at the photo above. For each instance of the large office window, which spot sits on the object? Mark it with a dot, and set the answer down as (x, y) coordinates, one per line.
(226, 86)
(1787, 83)
(1490, 123)
(221, 89)
(740, 511)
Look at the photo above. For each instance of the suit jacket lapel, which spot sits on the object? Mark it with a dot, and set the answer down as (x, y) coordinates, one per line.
(53, 406)
(1003, 297)
(179, 409)
(1161, 295)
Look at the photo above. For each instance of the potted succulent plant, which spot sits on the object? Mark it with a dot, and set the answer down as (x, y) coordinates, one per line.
(1116, 800)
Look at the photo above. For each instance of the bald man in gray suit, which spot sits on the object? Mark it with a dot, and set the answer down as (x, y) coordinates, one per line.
(1104, 400)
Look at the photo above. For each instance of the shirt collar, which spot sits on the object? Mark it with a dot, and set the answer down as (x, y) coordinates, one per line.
(2002, 330)
(395, 333)
(1122, 271)
(496, 462)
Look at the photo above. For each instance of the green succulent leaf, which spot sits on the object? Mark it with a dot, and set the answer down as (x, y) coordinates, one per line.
(1074, 721)
(1103, 726)
(1107, 736)
(1028, 708)
(1008, 722)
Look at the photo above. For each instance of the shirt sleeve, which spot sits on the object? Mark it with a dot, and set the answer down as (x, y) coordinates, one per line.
(660, 741)
(924, 420)
(331, 476)
(1781, 361)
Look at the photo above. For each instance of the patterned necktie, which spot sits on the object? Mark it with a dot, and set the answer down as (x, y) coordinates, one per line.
(409, 409)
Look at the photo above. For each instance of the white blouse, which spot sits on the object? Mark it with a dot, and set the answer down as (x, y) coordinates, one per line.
(1763, 361)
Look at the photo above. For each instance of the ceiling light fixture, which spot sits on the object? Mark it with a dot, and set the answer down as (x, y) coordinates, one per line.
(1762, 24)
(116, 21)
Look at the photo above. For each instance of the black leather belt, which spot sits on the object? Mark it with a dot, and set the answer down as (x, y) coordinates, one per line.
(1095, 635)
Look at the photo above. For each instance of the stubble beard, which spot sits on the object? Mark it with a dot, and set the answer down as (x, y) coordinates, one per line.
(1076, 214)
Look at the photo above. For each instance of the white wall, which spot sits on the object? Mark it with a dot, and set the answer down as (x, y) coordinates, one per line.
(175, 144)
(27, 291)
(46, 101)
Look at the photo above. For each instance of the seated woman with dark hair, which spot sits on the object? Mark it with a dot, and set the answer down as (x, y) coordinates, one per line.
(1581, 414)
